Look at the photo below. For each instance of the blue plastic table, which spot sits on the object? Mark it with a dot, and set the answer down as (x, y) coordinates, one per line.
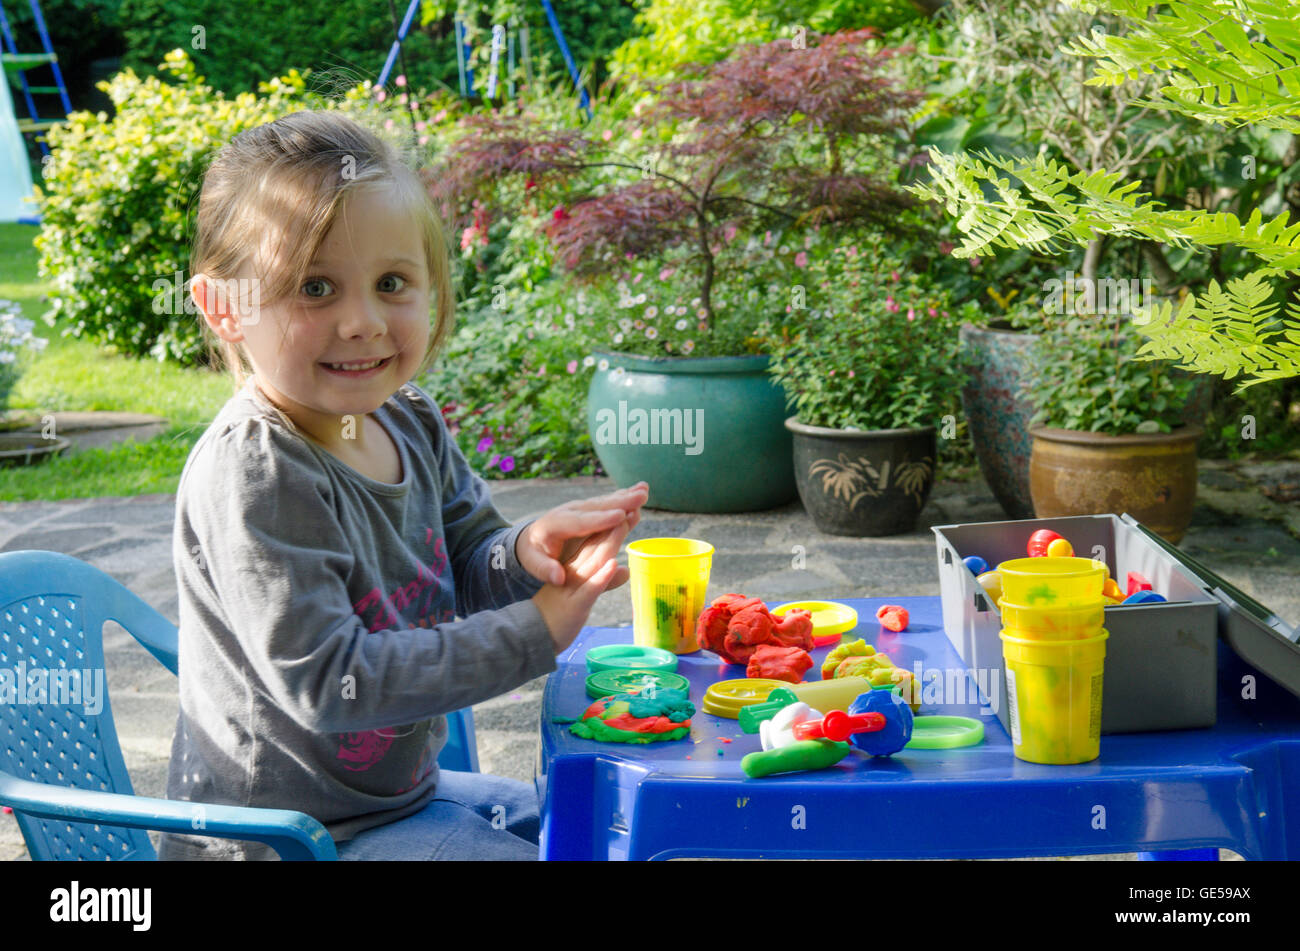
(1228, 787)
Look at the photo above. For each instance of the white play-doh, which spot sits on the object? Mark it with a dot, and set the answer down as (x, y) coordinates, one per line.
(778, 732)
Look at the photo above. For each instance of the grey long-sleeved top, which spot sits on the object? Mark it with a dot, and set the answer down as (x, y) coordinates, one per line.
(318, 649)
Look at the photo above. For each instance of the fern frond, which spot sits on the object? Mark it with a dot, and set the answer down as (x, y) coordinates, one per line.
(1228, 332)
(1232, 63)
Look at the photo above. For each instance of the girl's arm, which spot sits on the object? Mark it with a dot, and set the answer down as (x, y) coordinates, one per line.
(480, 541)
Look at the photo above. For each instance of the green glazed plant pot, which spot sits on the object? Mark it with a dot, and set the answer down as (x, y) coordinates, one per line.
(863, 482)
(706, 433)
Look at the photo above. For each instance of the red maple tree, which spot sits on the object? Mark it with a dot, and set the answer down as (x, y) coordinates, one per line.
(774, 134)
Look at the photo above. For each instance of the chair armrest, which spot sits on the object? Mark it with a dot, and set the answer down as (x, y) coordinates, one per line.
(295, 836)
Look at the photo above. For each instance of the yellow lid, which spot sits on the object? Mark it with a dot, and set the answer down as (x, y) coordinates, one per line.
(829, 619)
(727, 697)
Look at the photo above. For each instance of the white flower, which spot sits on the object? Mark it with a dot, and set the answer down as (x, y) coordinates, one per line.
(618, 338)
(588, 361)
(695, 302)
(625, 324)
(680, 325)
(651, 333)
(7, 357)
(651, 312)
(640, 298)
(603, 365)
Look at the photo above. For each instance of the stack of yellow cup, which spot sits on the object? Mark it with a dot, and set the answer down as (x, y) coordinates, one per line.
(1054, 646)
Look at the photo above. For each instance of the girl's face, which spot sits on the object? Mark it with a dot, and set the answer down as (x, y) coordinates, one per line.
(366, 299)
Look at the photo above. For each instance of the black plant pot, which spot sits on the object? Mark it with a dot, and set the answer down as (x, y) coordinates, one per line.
(863, 482)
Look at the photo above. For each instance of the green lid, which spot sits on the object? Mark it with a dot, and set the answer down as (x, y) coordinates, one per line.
(944, 733)
(630, 657)
(607, 683)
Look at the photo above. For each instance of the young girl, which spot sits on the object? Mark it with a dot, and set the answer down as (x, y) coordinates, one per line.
(329, 531)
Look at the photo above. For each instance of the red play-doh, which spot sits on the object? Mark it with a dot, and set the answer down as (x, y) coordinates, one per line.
(771, 662)
(893, 617)
(734, 626)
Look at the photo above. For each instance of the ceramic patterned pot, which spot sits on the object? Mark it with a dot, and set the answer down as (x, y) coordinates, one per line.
(999, 420)
(863, 483)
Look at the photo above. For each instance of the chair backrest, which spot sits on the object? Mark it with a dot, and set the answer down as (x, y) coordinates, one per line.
(56, 722)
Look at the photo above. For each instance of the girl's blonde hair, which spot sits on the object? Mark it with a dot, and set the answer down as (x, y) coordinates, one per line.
(270, 197)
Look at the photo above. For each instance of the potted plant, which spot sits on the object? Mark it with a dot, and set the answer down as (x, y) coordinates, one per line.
(774, 139)
(1008, 57)
(1110, 433)
(871, 369)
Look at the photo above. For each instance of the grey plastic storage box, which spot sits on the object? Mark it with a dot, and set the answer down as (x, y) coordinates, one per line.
(1161, 659)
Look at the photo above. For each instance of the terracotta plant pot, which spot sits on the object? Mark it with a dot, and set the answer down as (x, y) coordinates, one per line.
(863, 482)
(1150, 476)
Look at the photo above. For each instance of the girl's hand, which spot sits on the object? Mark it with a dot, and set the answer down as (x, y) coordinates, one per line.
(589, 572)
(551, 543)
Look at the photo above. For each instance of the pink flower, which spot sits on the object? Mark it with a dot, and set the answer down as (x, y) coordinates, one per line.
(850, 374)
(442, 114)
(607, 134)
(400, 80)
(974, 263)
(853, 251)
(636, 134)
(507, 463)
(945, 247)
(891, 305)
(801, 259)
(485, 444)
(381, 95)
(467, 237)
(667, 273)
(541, 371)
(493, 461)
(911, 314)
(932, 312)
(893, 276)
(832, 373)
(807, 242)
(767, 237)
(729, 232)
(572, 366)
(637, 279)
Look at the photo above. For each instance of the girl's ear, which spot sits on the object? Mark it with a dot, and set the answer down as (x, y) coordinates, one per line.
(219, 312)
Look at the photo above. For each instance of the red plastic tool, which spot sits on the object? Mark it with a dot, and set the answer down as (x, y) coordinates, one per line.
(838, 725)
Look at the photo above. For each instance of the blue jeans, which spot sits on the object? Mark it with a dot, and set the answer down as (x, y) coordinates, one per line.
(473, 817)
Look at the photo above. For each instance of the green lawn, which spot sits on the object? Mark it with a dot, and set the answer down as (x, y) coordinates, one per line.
(73, 374)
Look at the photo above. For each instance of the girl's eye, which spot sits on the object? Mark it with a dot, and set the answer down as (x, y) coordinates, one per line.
(393, 277)
(315, 281)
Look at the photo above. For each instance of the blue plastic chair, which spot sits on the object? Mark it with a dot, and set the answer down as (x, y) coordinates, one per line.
(61, 769)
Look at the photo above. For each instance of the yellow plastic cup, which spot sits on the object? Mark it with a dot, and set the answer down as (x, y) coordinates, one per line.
(1054, 698)
(1052, 624)
(1052, 582)
(669, 578)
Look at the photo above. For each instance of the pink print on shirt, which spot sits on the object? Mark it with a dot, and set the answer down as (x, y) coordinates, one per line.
(424, 589)
(360, 751)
